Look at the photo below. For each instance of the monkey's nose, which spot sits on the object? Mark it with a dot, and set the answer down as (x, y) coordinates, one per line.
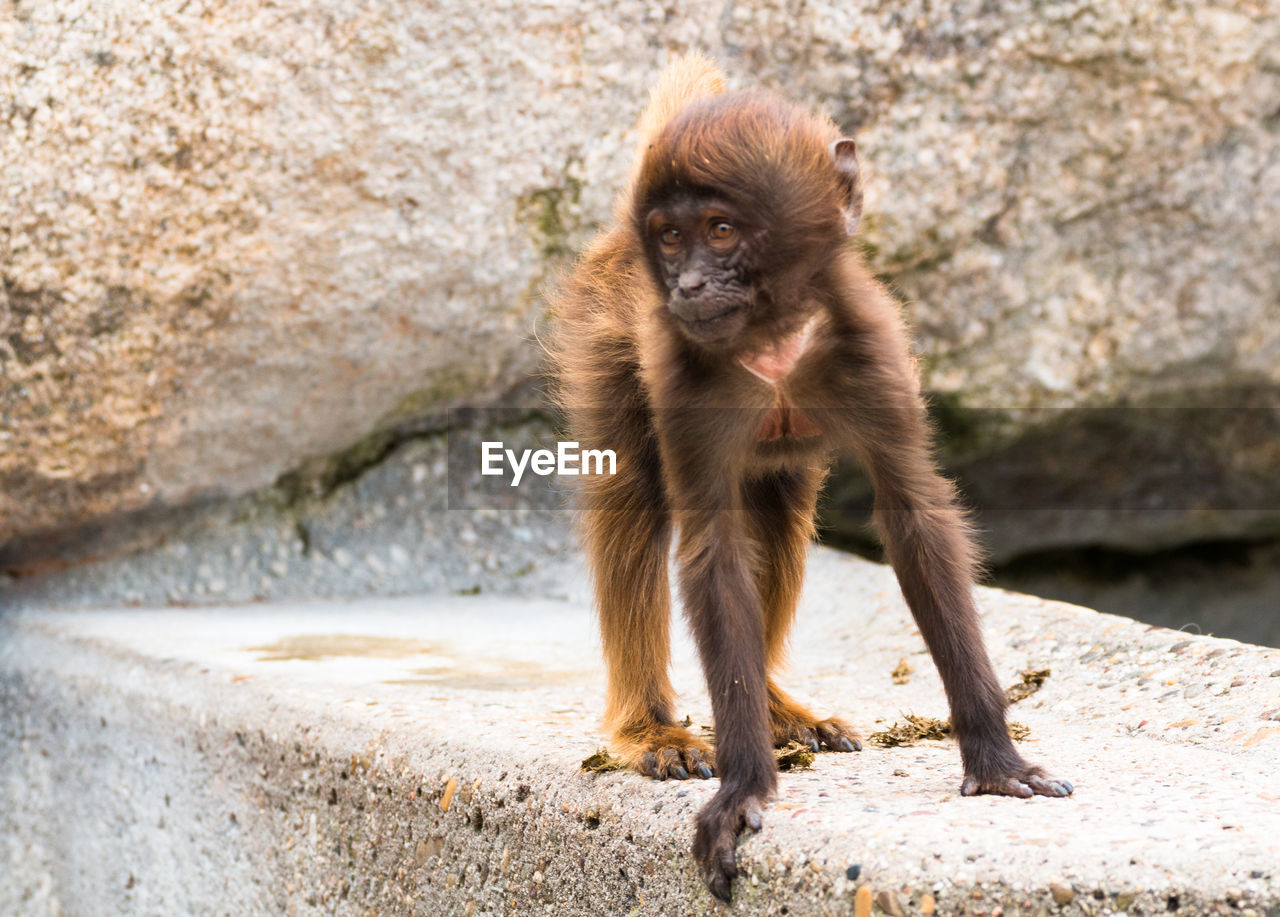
(691, 282)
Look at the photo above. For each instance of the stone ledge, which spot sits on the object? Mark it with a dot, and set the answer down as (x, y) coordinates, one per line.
(420, 756)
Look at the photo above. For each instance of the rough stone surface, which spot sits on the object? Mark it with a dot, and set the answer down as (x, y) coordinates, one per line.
(420, 756)
(234, 237)
(404, 525)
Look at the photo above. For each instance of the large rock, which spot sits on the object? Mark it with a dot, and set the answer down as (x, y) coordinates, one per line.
(1081, 206)
(237, 237)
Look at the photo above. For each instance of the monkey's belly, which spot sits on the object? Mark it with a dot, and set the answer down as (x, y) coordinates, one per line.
(786, 420)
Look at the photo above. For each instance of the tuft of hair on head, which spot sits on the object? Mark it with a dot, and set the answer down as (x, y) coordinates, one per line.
(686, 79)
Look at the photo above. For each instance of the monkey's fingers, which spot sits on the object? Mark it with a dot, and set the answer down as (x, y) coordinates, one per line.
(679, 762)
(794, 723)
(1001, 786)
(837, 736)
(1050, 786)
(806, 736)
(670, 762)
(663, 763)
(719, 875)
(1024, 786)
(699, 762)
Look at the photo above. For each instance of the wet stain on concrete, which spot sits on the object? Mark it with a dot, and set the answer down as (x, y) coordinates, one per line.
(448, 669)
(485, 675)
(314, 647)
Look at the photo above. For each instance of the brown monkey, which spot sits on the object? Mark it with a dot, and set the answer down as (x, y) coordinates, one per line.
(725, 339)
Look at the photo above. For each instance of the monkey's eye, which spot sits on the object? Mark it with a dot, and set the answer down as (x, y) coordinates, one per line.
(670, 238)
(722, 231)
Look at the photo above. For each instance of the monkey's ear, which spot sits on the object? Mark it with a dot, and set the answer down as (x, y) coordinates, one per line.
(844, 154)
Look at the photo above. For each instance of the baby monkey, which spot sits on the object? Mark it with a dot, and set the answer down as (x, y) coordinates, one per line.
(725, 340)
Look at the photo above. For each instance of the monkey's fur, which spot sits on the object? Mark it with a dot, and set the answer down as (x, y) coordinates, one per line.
(724, 339)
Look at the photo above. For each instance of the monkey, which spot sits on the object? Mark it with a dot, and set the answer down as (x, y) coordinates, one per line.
(725, 339)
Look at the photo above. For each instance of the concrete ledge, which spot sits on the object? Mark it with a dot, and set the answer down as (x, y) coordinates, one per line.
(420, 756)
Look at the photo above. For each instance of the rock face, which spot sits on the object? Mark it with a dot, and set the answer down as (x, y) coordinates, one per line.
(237, 237)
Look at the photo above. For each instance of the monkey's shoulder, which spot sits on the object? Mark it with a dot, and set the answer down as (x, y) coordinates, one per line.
(609, 266)
(607, 290)
(594, 339)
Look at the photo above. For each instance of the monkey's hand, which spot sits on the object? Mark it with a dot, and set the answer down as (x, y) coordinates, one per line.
(1024, 780)
(715, 841)
(665, 751)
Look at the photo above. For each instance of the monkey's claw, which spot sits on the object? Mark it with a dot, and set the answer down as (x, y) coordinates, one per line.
(715, 841)
(1050, 786)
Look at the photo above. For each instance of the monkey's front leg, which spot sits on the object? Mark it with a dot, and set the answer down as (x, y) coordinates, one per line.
(927, 542)
(723, 604)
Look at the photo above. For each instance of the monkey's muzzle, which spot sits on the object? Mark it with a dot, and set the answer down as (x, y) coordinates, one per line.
(708, 322)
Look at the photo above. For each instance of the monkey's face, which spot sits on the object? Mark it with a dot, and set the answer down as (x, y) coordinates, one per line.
(700, 249)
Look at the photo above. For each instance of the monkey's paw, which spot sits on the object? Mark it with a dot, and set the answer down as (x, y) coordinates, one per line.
(715, 842)
(832, 734)
(793, 723)
(1023, 782)
(668, 751)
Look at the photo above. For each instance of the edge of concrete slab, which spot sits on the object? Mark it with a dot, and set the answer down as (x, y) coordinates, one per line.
(140, 780)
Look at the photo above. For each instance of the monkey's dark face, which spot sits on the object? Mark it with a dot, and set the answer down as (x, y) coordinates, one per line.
(700, 249)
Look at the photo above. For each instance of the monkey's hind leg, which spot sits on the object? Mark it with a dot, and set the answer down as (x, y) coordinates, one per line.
(781, 505)
(627, 541)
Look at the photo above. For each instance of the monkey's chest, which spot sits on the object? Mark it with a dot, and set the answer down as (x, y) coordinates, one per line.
(773, 366)
(784, 419)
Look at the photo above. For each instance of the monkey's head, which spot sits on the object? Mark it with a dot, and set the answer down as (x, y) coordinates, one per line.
(740, 202)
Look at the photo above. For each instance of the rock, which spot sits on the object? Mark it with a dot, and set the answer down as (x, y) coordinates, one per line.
(446, 798)
(862, 901)
(1039, 284)
(1062, 894)
(240, 243)
(1034, 479)
(888, 903)
(234, 244)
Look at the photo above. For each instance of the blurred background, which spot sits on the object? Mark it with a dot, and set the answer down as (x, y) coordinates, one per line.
(260, 260)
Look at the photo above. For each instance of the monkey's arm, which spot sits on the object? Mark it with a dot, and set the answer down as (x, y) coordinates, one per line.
(928, 542)
(722, 601)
